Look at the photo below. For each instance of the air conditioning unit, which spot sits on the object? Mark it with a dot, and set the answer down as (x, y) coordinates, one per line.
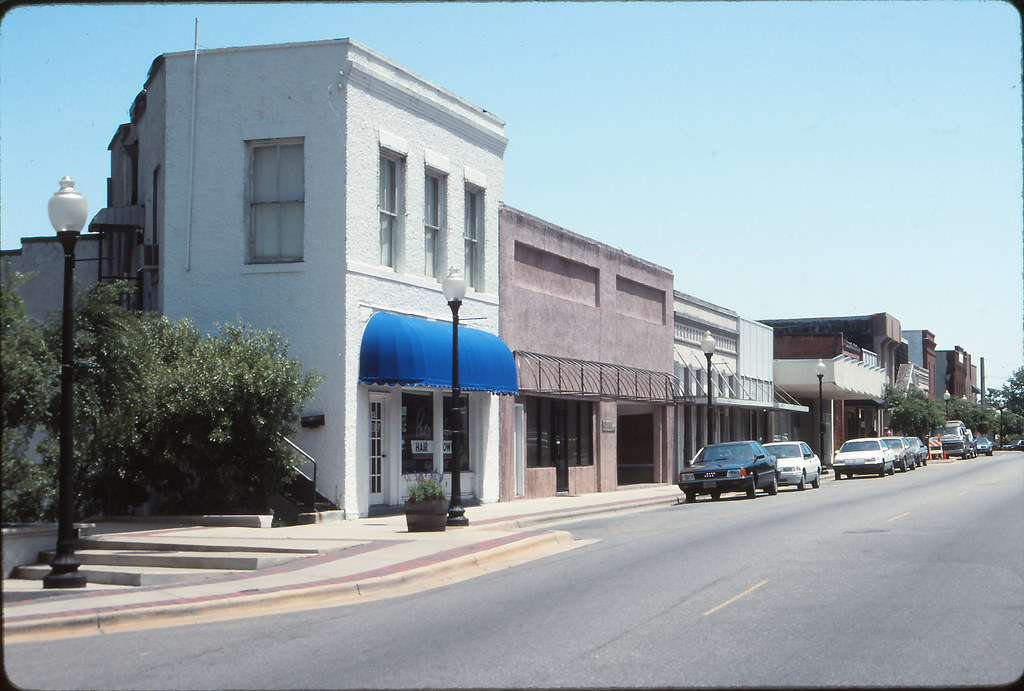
(147, 257)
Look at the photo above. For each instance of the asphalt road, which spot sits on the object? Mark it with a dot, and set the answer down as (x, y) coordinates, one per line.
(914, 579)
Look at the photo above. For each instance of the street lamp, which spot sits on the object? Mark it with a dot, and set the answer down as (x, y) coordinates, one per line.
(946, 398)
(454, 287)
(1002, 434)
(708, 346)
(821, 411)
(68, 213)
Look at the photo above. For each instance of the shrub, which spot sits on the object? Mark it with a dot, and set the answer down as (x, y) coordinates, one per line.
(163, 412)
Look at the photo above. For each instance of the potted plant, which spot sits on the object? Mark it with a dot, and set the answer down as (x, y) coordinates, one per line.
(426, 509)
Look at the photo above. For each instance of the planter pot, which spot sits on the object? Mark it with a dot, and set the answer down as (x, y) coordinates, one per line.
(426, 516)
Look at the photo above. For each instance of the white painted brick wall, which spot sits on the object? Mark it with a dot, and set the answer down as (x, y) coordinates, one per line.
(321, 304)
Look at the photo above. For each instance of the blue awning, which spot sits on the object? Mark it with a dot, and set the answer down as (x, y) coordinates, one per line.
(416, 352)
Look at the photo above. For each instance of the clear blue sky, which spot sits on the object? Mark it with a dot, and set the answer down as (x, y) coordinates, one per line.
(783, 159)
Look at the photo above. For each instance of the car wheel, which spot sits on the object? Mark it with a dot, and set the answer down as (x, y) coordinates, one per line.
(752, 490)
(816, 482)
(839, 476)
(773, 488)
(715, 496)
(690, 497)
(892, 470)
(881, 473)
(802, 485)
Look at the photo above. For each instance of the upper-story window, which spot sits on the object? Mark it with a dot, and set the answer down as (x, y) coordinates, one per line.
(474, 235)
(435, 194)
(277, 202)
(390, 203)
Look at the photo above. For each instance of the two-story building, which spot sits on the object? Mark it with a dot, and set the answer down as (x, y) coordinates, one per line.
(861, 354)
(322, 190)
(745, 403)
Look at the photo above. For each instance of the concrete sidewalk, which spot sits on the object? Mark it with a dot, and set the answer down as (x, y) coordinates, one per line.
(348, 561)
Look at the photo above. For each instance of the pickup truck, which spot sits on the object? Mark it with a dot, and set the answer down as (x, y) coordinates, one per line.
(956, 439)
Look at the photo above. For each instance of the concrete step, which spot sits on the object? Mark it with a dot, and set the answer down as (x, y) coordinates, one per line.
(229, 561)
(118, 575)
(100, 542)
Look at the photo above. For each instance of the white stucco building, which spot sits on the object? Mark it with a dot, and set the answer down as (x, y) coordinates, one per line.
(307, 187)
(745, 402)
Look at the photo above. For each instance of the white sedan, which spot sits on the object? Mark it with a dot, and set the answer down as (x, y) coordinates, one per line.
(797, 464)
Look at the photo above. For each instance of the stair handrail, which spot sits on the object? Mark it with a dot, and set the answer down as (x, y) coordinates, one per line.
(312, 504)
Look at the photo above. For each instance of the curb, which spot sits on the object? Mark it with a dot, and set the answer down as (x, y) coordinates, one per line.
(405, 577)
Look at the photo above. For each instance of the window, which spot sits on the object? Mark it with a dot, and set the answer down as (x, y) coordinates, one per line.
(558, 432)
(390, 202)
(474, 235)
(417, 433)
(277, 203)
(433, 222)
(455, 418)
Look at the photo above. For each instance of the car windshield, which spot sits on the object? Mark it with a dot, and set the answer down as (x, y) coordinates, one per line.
(785, 450)
(948, 431)
(860, 445)
(893, 443)
(724, 452)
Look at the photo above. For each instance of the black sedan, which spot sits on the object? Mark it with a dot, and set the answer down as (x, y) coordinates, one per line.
(739, 466)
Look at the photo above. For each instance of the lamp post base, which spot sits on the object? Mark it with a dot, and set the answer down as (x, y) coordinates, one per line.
(64, 573)
(457, 517)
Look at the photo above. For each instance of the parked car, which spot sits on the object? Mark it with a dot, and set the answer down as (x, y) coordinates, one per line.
(919, 449)
(797, 464)
(740, 466)
(983, 446)
(1013, 445)
(904, 458)
(866, 456)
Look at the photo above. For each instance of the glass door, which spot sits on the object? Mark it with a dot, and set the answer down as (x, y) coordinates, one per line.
(378, 456)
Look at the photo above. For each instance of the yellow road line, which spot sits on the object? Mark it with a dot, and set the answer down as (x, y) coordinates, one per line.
(728, 602)
(896, 518)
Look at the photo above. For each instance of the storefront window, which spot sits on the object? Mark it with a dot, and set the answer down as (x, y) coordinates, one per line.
(451, 422)
(417, 433)
(559, 433)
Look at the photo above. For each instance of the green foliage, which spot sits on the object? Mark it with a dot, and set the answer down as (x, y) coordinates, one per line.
(114, 364)
(1011, 395)
(426, 487)
(231, 398)
(913, 413)
(30, 378)
(1011, 424)
(981, 419)
(163, 412)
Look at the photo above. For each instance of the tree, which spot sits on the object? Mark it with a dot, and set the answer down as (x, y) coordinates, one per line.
(30, 379)
(913, 413)
(979, 418)
(116, 360)
(191, 423)
(1012, 393)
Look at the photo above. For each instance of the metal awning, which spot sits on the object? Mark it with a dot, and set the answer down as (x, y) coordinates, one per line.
(551, 374)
